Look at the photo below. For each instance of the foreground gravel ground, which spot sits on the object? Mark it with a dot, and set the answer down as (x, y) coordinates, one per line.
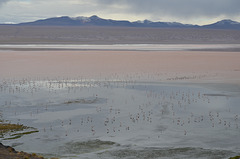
(7, 152)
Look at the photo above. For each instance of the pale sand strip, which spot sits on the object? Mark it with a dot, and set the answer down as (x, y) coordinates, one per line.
(124, 47)
(206, 65)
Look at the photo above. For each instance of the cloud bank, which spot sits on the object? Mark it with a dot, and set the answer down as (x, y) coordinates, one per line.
(179, 9)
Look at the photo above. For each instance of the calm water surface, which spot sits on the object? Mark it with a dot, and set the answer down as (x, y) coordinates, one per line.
(121, 119)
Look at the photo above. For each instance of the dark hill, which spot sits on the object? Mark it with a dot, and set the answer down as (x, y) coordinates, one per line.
(96, 21)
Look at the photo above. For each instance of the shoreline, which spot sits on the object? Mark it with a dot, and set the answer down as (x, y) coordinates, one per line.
(8, 152)
(121, 47)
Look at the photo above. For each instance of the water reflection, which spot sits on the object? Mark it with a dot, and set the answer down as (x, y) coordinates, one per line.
(94, 113)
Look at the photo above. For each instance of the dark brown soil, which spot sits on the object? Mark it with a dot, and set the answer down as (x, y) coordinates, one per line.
(7, 152)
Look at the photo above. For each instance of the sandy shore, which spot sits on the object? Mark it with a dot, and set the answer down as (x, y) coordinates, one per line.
(188, 66)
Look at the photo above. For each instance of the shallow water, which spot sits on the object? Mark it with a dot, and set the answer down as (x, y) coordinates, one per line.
(122, 119)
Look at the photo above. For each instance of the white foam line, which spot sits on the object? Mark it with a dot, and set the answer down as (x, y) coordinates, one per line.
(151, 47)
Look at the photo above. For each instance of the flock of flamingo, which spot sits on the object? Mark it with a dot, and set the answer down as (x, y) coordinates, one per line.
(120, 106)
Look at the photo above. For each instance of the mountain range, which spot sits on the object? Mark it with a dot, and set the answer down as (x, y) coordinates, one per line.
(97, 21)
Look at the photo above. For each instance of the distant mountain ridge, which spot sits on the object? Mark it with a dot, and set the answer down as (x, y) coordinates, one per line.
(224, 24)
(97, 21)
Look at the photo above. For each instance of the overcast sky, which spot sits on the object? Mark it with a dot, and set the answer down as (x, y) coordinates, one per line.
(184, 11)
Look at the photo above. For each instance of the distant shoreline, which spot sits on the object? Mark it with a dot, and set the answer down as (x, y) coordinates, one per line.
(121, 47)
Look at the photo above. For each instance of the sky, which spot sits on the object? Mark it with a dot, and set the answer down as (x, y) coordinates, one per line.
(185, 11)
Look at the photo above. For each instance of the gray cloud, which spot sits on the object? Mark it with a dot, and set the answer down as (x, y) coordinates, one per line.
(3, 1)
(179, 8)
